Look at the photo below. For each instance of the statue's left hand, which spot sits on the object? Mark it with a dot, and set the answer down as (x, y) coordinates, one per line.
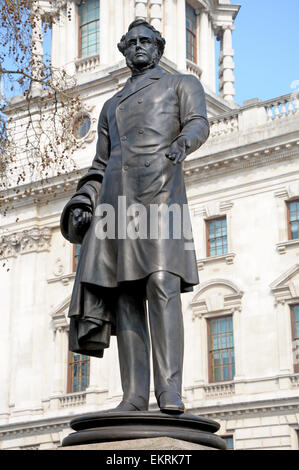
(81, 218)
(177, 151)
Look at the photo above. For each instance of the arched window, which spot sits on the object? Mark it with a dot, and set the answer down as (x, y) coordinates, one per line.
(89, 27)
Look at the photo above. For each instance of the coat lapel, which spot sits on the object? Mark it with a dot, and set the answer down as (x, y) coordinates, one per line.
(149, 78)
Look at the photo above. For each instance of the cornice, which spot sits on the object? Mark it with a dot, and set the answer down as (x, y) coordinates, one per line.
(195, 170)
(237, 410)
(34, 427)
(254, 408)
(232, 160)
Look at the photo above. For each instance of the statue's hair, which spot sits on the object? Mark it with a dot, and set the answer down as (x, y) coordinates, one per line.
(140, 22)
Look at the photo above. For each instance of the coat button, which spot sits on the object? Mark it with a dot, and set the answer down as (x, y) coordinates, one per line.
(123, 138)
(147, 163)
(126, 167)
(121, 107)
(140, 131)
(140, 100)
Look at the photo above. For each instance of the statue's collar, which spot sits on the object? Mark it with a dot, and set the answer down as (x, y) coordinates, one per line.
(145, 80)
(155, 73)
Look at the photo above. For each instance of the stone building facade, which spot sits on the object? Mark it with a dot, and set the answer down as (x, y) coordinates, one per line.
(242, 322)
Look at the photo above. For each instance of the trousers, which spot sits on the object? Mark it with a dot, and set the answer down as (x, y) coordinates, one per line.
(162, 326)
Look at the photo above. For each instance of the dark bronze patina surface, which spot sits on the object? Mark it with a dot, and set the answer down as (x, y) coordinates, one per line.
(145, 131)
(117, 426)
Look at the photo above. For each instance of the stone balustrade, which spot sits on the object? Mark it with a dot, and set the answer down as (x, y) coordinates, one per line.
(284, 106)
(220, 126)
(87, 64)
(72, 399)
(193, 69)
(255, 113)
(219, 390)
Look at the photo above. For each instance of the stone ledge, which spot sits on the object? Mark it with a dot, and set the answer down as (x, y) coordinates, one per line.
(282, 247)
(157, 443)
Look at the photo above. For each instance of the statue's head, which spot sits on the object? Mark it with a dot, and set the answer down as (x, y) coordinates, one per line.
(142, 45)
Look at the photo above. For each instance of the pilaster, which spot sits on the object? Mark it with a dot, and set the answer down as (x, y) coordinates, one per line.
(204, 46)
(105, 31)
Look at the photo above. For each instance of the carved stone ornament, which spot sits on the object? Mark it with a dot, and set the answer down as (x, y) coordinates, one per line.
(34, 239)
(9, 245)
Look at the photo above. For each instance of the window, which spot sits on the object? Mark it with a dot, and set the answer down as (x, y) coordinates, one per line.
(191, 39)
(78, 372)
(89, 32)
(293, 219)
(76, 254)
(221, 349)
(81, 126)
(229, 442)
(295, 331)
(216, 237)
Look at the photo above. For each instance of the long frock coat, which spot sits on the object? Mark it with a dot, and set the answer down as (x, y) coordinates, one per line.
(136, 129)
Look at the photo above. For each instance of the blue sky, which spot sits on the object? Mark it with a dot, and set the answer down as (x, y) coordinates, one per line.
(266, 44)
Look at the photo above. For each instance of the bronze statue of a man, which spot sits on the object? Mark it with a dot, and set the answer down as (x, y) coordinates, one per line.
(145, 131)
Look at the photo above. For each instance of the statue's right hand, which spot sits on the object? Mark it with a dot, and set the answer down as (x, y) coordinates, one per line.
(81, 218)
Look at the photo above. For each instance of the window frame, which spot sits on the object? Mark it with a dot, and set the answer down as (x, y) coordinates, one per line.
(229, 436)
(192, 33)
(80, 30)
(70, 363)
(289, 219)
(208, 250)
(294, 338)
(210, 368)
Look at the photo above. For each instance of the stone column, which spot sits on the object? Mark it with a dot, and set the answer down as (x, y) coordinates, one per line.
(106, 42)
(141, 9)
(59, 362)
(180, 40)
(92, 392)
(212, 58)
(227, 65)
(156, 14)
(8, 296)
(285, 356)
(37, 50)
(71, 31)
(204, 46)
(118, 28)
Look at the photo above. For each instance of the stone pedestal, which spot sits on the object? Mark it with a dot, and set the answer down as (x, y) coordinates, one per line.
(116, 427)
(155, 443)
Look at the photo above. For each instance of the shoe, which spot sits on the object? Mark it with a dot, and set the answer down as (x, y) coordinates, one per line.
(170, 402)
(126, 406)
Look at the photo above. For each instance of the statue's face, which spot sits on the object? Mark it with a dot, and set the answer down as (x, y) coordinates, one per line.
(141, 48)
